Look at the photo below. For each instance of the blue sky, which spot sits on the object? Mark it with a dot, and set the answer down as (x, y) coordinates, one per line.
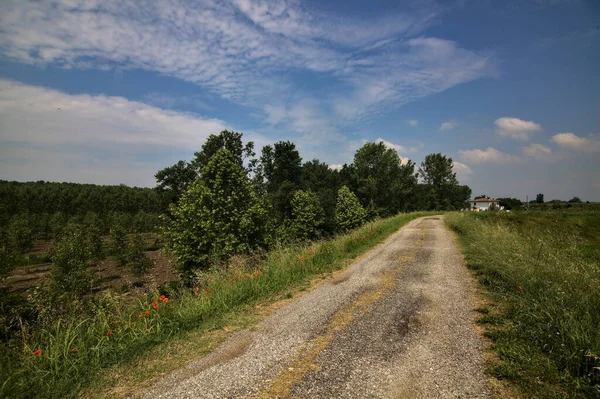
(109, 92)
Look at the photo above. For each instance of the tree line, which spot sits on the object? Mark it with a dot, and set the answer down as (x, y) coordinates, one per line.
(227, 200)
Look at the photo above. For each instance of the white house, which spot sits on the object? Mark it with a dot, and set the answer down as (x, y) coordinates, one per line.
(483, 204)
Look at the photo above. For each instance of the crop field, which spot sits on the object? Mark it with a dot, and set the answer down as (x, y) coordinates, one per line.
(541, 273)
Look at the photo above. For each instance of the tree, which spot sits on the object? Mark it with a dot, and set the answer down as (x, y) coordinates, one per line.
(218, 216)
(72, 258)
(325, 183)
(278, 176)
(575, 200)
(228, 140)
(174, 179)
(382, 179)
(349, 213)
(307, 215)
(539, 199)
(482, 196)
(510, 203)
(437, 170)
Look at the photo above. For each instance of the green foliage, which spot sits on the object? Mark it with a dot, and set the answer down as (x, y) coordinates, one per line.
(118, 244)
(349, 213)
(227, 140)
(218, 216)
(325, 182)
(437, 170)
(510, 203)
(71, 258)
(174, 179)
(379, 177)
(138, 262)
(539, 199)
(575, 200)
(307, 215)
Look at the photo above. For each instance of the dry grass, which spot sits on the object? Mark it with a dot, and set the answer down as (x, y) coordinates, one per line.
(340, 277)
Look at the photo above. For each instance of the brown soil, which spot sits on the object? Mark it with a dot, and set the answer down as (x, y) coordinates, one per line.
(108, 275)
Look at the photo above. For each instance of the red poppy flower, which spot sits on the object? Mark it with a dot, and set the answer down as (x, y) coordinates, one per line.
(37, 353)
(141, 316)
(109, 333)
(147, 312)
(166, 300)
(196, 288)
(76, 349)
(162, 297)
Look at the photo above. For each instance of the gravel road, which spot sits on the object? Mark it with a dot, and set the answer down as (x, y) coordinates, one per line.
(399, 326)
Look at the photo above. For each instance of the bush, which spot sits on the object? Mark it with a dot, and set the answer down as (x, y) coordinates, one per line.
(118, 244)
(307, 214)
(71, 257)
(138, 262)
(349, 213)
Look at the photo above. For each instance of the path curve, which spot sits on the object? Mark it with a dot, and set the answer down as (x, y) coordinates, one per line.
(400, 326)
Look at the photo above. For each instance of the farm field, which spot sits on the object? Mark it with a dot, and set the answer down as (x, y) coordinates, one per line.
(541, 276)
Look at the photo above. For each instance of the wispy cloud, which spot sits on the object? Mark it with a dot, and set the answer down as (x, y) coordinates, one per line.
(247, 51)
(412, 122)
(516, 128)
(570, 141)
(450, 125)
(538, 151)
(489, 155)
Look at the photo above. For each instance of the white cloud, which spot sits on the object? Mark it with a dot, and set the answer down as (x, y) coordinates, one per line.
(516, 128)
(538, 151)
(397, 147)
(44, 116)
(448, 125)
(50, 135)
(412, 122)
(489, 155)
(336, 167)
(463, 171)
(243, 50)
(570, 141)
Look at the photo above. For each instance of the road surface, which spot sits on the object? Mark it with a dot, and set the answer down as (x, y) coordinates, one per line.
(398, 325)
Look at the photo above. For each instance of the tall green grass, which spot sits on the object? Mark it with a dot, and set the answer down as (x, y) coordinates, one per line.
(73, 348)
(543, 272)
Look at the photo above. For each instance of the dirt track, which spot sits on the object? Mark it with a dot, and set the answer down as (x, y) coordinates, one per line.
(400, 326)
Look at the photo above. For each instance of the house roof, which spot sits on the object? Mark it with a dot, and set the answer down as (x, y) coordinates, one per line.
(485, 200)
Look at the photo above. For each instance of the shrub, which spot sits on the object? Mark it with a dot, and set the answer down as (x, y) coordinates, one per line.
(118, 244)
(71, 257)
(138, 262)
(307, 214)
(349, 213)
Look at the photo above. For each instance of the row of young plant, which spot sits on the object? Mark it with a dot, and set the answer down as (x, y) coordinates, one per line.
(19, 234)
(66, 347)
(543, 275)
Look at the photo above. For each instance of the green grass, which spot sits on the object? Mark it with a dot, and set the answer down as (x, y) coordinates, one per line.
(542, 273)
(114, 332)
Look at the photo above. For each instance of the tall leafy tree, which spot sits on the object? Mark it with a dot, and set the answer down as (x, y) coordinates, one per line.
(228, 140)
(381, 178)
(437, 173)
(279, 174)
(175, 179)
(325, 182)
(539, 199)
(218, 216)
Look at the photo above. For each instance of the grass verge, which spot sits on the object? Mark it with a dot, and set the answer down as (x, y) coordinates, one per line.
(542, 274)
(66, 356)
